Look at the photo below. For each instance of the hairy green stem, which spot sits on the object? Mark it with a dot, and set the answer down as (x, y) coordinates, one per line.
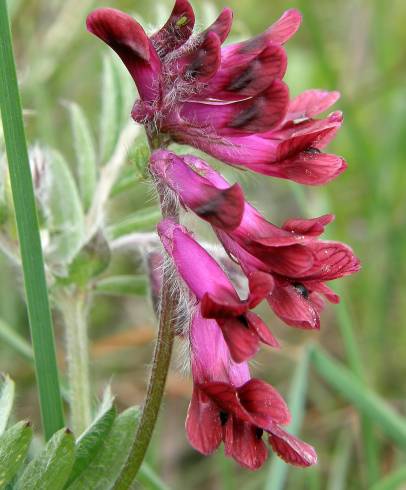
(74, 308)
(161, 358)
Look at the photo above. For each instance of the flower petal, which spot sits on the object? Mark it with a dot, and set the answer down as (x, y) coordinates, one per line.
(129, 40)
(263, 402)
(197, 268)
(261, 285)
(258, 114)
(285, 27)
(243, 75)
(203, 426)
(332, 260)
(222, 25)
(309, 227)
(310, 103)
(295, 310)
(203, 61)
(221, 207)
(177, 29)
(291, 449)
(245, 445)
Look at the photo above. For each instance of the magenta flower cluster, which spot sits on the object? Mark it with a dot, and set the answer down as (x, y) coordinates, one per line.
(231, 103)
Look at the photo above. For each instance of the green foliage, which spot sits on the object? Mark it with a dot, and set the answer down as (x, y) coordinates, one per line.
(14, 445)
(91, 261)
(85, 150)
(63, 208)
(91, 441)
(110, 120)
(143, 220)
(102, 472)
(123, 285)
(51, 468)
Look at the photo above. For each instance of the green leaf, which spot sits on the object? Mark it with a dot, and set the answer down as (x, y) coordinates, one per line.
(143, 220)
(85, 153)
(14, 445)
(91, 441)
(102, 472)
(6, 400)
(91, 261)
(29, 237)
(50, 470)
(297, 397)
(354, 391)
(64, 210)
(110, 122)
(123, 285)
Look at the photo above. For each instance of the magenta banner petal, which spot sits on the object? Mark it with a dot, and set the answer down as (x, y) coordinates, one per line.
(222, 207)
(177, 29)
(129, 40)
(222, 25)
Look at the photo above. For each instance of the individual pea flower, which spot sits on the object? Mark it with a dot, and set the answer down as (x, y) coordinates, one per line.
(298, 262)
(231, 407)
(242, 329)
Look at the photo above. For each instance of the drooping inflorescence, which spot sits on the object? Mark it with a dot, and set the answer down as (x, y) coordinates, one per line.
(231, 103)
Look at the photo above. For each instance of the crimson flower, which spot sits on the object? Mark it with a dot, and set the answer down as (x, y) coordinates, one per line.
(243, 330)
(228, 101)
(293, 256)
(231, 407)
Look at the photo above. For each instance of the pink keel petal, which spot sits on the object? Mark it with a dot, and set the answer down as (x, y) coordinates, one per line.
(222, 207)
(291, 449)
(202, 62)
(242, 341)
(203, 425)
(263, 403)
(225, 397)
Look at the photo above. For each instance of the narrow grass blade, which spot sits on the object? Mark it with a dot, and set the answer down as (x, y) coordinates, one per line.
(354, 391)
(340, 464)
(393, 481)
(30, 245)
(296, 402)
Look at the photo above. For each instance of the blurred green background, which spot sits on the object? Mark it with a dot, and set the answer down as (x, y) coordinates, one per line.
(356, 47)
